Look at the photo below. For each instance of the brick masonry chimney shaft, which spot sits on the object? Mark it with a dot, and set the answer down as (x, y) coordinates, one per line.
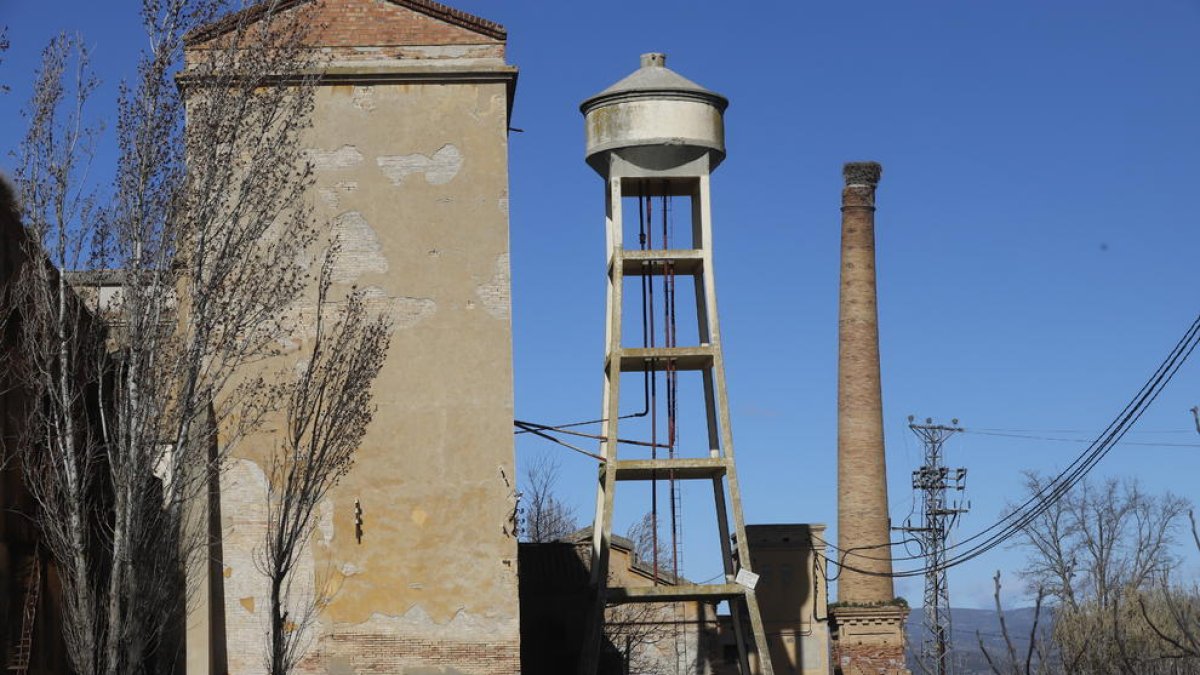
(863, 524)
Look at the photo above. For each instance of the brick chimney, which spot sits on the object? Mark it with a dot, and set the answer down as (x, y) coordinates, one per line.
(862, 477)
(868, 629)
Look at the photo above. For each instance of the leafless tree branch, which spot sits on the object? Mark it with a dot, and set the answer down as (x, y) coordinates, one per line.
(546, 517)
(1098, 552)
(210, 234)
(328, 411)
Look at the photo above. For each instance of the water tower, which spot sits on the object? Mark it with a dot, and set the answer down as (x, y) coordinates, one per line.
(656, 137)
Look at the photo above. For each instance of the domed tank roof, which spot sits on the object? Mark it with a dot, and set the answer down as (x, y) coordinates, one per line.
(654, 80)
(655, 106)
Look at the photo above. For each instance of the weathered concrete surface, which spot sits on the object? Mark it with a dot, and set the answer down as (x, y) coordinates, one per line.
(411, 173)
(635, 112)
(791, 596)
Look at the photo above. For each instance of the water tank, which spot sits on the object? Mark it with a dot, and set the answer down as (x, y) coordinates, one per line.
(668, 118)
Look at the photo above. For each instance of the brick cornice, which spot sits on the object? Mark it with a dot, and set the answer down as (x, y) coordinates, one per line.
(873, 614)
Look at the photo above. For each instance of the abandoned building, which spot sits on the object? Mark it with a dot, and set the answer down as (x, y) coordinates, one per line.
(29, 598)
(422, 210)
(555, 599)
(420, 539)
(675, 637)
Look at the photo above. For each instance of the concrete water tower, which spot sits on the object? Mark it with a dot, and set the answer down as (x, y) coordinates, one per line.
(656, 120)
(656, 135)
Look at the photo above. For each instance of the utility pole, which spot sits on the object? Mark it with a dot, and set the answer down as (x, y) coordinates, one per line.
(1196, 415)
(939, 515)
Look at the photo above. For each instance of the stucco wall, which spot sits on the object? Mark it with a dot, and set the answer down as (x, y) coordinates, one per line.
(411, 175)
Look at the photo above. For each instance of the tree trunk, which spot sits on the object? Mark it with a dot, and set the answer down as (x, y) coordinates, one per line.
(278, 638)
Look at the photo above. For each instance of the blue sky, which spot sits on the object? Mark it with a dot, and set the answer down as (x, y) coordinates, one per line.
(1037, 234)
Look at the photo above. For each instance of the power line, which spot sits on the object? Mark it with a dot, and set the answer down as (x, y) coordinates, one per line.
(1013, 522)
(541, 434)
(980, 432)
(1078, 469)
(1017, 519)
(1077, 431)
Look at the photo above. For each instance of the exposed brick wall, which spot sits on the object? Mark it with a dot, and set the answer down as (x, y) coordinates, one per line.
(869, 640)
(363, 653)
(861, 659)
(377, 23)
(369, 23)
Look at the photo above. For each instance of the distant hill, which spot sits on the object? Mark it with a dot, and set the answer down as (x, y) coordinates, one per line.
(966, 623)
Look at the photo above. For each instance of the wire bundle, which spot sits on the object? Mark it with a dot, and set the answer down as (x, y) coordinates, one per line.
(1016, 520)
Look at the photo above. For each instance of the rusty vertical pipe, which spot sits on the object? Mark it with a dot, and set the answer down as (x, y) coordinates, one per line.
(863, 524)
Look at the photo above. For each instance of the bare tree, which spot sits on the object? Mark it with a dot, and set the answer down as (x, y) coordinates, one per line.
(1173, 613)
(1014, 664)
(1098, 553)
(196, 228)
(649, 545)
(1051, 542)
(211, 231)
(647, 635)
(546, 517)
(643, 634)
(59, 361)
(634, 631)
(328, 412)
(1096, 540)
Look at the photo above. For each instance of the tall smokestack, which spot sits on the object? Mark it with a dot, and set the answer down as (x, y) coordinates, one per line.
(862, 478)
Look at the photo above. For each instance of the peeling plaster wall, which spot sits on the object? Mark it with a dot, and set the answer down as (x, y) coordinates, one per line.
(361, 251)
(345, 157)
(413, 179)
(434, 578)
(439, 168)
(247, 593)
(495, 292)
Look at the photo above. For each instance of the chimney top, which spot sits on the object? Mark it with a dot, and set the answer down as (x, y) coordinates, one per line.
(654, 59)
(862, 173)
